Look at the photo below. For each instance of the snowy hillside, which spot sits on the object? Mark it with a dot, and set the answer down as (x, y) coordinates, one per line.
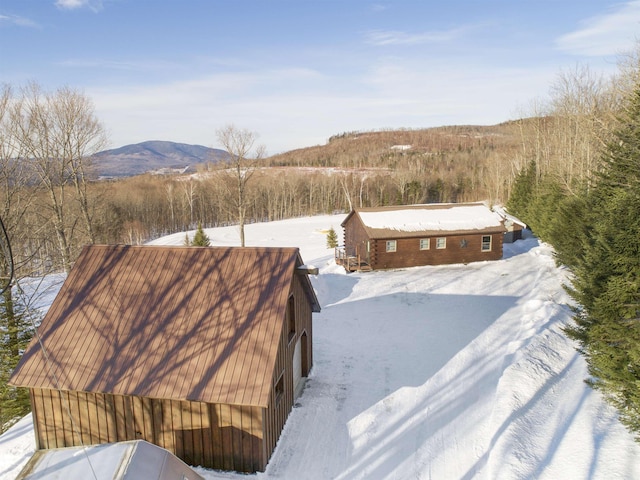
(449, 372)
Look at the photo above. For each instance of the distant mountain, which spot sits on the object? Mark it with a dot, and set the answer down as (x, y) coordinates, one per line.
(153, 156)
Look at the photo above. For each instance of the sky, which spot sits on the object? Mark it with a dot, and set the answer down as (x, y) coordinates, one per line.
(296, 72)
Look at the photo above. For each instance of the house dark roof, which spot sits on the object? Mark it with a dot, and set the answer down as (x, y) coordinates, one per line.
(427, 220)
(185, 323)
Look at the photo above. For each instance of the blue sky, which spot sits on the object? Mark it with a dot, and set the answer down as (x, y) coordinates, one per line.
(298, 71)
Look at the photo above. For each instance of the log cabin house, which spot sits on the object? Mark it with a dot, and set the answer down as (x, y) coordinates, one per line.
(199, 350)
(414, 235)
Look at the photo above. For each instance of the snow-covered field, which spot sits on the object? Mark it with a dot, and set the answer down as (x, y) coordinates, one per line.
(450, 372)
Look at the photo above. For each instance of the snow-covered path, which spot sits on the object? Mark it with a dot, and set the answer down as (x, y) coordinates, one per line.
(450, 372)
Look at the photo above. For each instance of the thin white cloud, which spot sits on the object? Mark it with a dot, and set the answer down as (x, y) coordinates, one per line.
(118, 64)
(95, 5)
(609, 34)
(17, 20)
(394, 37)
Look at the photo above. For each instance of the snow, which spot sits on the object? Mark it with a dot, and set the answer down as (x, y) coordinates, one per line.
(448, 372)
(461, 217)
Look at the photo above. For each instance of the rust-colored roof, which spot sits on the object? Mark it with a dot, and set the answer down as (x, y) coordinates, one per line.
(188, 323)
(427, 220)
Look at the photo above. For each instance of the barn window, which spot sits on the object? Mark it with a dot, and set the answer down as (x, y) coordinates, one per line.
(425, 243)
(486, 243)
(279, 388)
(441, 242)
(391, 245)
(291, 314)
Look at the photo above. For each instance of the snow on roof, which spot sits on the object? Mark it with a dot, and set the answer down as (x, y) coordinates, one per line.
(125, 460)
(503, 212)
(445, 217)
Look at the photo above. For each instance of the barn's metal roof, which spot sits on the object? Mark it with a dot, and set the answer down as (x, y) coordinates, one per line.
(404, 221)
(186, 323)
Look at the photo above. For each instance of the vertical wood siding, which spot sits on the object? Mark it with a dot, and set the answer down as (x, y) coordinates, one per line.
(278, 410)
(210, 435)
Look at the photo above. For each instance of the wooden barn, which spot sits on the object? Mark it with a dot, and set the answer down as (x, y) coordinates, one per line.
(413, 235)
(199, 350)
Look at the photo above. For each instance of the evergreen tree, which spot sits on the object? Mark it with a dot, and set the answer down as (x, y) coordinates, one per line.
(332, 238)
(607, 274)
(15, 333)
(569, 231)
(543, 207)
(200, 239)
(523, 191)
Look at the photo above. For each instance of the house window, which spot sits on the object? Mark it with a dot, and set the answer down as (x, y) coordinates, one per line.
(486, 243)
(291, 314)
(391, 245)
(441, 242)
(425, 243)
(463, 243)
(279, 388)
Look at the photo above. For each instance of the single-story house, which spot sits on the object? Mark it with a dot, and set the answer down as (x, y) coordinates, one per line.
(413, 235)
(132, 460)
(199, 350)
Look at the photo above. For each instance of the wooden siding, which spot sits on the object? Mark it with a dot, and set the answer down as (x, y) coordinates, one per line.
(461, 246)
(278, 410)
(227, 437)
(356, 239)
(408, 253)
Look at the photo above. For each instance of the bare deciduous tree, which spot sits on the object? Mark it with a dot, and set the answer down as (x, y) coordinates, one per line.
(59, 133)
(239, 167)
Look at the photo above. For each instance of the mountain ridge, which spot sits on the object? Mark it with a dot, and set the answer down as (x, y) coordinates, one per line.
(155, 156)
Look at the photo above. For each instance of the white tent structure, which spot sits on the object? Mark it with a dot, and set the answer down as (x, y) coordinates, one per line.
(131, 460)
